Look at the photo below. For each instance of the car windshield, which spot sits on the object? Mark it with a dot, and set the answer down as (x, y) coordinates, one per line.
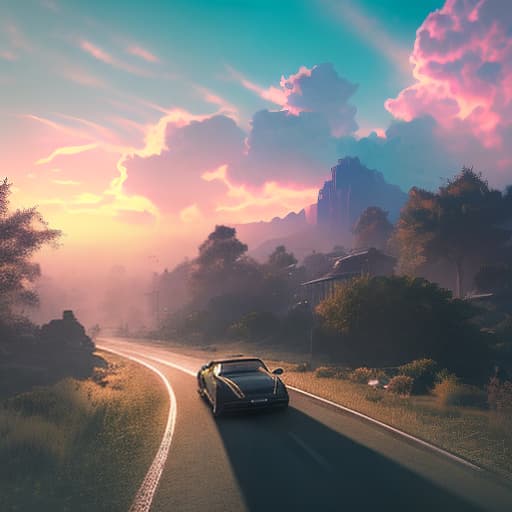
(241, 367)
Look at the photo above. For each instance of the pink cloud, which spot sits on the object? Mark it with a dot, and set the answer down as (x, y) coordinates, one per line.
(462, 61)
(146, 55)
(96, 52)
(105, 57)
(272, 94)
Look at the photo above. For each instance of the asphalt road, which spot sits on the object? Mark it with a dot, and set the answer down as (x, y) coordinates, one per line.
(312, 457)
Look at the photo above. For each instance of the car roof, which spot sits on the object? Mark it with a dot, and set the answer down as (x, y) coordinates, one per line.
(235, 360)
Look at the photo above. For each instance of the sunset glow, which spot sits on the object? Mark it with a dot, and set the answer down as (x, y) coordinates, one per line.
(117, 129)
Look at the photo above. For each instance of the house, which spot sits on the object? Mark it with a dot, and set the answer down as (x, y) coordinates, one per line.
(370, 262)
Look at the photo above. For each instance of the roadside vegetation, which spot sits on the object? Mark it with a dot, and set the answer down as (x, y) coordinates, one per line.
(81, 444)
(463, 419)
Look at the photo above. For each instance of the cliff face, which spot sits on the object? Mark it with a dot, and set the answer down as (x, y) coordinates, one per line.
(353, 188)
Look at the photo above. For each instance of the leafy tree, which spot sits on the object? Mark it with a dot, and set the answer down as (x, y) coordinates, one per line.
(222, 268)
(221, 247)
(391, 320)
(22, 233)
(280, 259)
(461, 224)
(372, 229)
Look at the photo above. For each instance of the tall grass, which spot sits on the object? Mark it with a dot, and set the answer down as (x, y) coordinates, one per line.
(81, 445)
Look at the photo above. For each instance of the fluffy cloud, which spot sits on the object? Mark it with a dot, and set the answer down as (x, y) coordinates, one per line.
(172, 179)
(322, 90)
(319, 89)
(462, 61)
(287, 148)
(411, 153)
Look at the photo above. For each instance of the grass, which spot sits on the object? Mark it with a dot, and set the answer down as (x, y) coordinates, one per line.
(81, 444)
(482, 437)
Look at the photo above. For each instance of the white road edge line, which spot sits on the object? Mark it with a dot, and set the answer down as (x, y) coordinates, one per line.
(144, 497)
(389, 427)
(426, 444)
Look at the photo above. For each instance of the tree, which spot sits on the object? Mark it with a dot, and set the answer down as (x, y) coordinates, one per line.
(461, 224)
(22, 233)
(221, 247)
(372, 229)
(392, 320)
(222, 267)
(280, 259)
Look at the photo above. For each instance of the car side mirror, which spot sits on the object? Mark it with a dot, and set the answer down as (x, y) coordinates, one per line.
(278, 371)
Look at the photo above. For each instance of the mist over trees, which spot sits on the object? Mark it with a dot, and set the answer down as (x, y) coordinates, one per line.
(372, 229)
(462, 233)
(462, 225)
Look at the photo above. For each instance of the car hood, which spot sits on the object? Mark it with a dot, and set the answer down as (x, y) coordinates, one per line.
(251, 383)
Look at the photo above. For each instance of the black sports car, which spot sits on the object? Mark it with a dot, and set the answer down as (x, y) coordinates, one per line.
(241, 384)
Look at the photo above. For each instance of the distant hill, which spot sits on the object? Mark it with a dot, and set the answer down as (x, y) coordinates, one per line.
(256, 233)
(303, 242)
(351, 189)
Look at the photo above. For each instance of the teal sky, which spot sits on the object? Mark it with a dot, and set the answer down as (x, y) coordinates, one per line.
(132, 123)
(195, 41)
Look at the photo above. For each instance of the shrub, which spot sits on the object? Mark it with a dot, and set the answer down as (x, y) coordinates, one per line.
(302, 367)
(325, 372)
(401, 385)
(499, 395)
(423, 371)
(450, 391)
(330, 372)
(383, 321)
(361, 375)
(442, 375)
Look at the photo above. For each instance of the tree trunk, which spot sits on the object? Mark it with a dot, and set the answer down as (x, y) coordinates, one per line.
(459, 278)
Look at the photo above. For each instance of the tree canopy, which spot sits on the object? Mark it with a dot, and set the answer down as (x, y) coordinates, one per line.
(22, 233)
(372, 229)
(391, 320)
(280, 259)
(462, 224)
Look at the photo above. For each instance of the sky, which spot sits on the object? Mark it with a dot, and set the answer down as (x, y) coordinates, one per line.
(137, 126)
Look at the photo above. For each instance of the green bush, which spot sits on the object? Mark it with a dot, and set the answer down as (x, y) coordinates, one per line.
(383, 321)
(401, 385)
(361, 375)
(423, 371)
(450, 391)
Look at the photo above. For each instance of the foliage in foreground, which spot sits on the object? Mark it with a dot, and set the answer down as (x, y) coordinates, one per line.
(80, 445)
(401, 385)
(386, 321)
(452, 392)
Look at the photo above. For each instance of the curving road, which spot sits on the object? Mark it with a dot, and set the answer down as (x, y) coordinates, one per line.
(312, 457)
